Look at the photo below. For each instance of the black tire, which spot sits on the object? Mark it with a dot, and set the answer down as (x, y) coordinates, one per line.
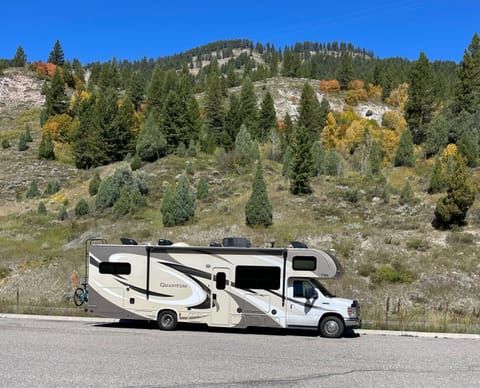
(167, 320)
(332, 327)
(78, 296)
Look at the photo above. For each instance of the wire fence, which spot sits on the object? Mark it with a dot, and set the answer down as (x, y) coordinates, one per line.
(393, 314)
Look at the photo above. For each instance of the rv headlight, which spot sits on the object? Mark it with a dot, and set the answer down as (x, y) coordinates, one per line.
(353, 310)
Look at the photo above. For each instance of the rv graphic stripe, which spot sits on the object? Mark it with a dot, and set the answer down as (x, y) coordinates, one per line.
(144, 291)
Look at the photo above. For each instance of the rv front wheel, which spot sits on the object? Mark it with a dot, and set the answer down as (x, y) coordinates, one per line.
(331, 327)
(167, 320)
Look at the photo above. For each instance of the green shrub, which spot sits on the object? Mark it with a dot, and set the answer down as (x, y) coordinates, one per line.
(202, 188)
(181, 150)
(136, 163)
(110, 188)
(366, 269)
(94, 184)
(22, 143)
(387, 273)
(128, 202)
(351, 195)
(407, 196)
(62, 213)
(41, 209)
(418, 244)
(28, 135)
(5, 144)
(189, 169)
(32, 191)
(52, 187)
(258, 210)
(81, 208)
(46, 149)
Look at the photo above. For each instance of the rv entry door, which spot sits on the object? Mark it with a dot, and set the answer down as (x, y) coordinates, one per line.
(220, 299)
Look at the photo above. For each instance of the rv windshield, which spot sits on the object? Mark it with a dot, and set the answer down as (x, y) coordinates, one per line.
(322, 288)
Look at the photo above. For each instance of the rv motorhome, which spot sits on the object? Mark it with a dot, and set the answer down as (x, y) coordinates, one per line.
(223, 286)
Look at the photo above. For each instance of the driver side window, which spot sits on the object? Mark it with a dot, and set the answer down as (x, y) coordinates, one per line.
(302, 288)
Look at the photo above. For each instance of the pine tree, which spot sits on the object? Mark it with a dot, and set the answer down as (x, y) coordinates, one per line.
(405, 152)
(184, 202)
(437, 180)
(420, 104)
(375, 159)
(94, 184)
(233, 122)
(302, 163)
(345, 72)
(246, 147)
(124, 124)
(202, 188)
(407, 196)
(87, 144)
(41, 209)
(22, 142)
(136, 89)
(167, 207)
(214, 115)
(258, 210)
(46, 149)
(154, 94)
(56, 55)
(248, 108)
(467, 89)
(452, 209)
(318, 158)
(267, 119)
(468, 147)
(106, 114)
(151, 144)
(309, 116)
(288, 132)
(56, 101)
(20, 58)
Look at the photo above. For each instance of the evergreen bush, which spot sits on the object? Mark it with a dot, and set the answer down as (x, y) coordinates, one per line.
(94, 184)
(22, 143)
(81, 208)
(41, 209)
(258, 210)
(32, 191)
(62, 213)
(202, 188)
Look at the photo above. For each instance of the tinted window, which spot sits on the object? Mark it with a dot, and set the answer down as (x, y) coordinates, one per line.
(267, 278)
(221, 281)
(115, 268)
(304, 263)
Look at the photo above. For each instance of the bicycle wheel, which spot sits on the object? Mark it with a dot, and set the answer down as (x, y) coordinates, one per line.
(78, 297)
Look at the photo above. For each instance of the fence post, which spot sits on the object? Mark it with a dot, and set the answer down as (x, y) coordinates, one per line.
(387, 310)
(18, 298)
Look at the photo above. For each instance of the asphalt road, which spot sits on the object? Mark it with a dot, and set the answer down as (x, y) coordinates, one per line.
(85, 353)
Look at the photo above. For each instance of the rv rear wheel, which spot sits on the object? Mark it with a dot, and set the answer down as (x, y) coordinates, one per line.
(167, 320)
(331, 327)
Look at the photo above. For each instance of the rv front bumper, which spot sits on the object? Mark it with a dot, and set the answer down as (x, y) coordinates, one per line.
(353, 323)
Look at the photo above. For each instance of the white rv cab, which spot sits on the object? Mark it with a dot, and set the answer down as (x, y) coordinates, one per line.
(224, 286)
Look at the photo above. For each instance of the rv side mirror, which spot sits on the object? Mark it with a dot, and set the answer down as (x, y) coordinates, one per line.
(311, 293)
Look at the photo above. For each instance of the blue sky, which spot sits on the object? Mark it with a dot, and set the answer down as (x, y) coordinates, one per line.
(98, 30)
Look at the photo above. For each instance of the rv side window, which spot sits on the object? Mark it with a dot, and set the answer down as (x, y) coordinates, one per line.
(265, 278)
(304, 263)
(115, 268)
(221, 281)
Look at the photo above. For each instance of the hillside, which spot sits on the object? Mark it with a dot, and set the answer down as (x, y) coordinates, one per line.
(396, 264)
